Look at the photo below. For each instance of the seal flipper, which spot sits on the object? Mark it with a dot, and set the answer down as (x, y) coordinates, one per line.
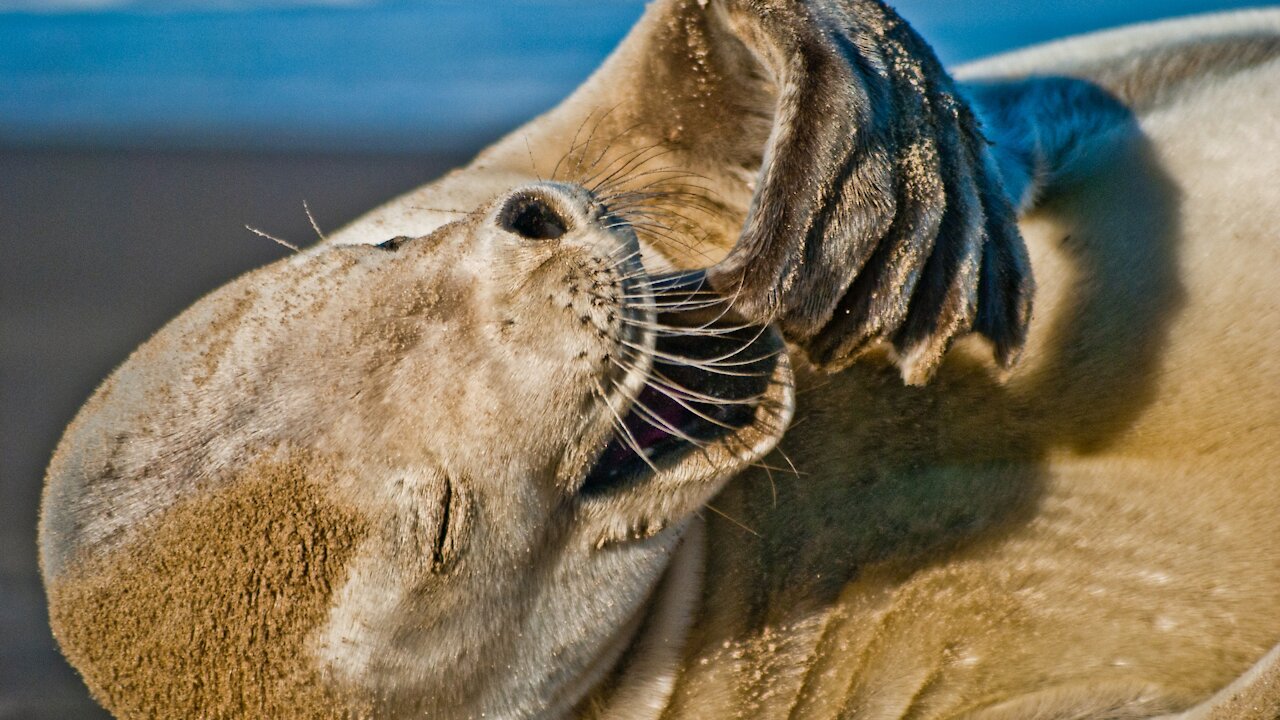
(1046, 131)
(879, 215)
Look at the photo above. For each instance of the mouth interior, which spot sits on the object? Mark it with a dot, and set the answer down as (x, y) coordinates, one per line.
(709, 376)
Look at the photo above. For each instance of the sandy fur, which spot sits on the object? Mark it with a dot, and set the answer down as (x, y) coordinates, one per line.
(195, 565)
(245, 599)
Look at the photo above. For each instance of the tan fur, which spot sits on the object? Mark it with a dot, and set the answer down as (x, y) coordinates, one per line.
(1093, 535)
(430, 552)
(1102, 521)
(243, 598)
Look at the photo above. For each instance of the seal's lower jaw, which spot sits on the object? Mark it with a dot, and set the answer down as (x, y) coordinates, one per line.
(717, 397)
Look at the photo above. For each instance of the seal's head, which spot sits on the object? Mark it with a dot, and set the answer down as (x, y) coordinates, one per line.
(518, 417)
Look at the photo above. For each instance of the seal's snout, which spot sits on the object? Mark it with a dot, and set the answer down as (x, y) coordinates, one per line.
(552, 210)
(534, 216)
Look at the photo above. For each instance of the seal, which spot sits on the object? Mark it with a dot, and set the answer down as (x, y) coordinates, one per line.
(472, 457)
(526, 510)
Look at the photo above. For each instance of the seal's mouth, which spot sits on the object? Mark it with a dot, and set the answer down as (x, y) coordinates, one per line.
(709, 381)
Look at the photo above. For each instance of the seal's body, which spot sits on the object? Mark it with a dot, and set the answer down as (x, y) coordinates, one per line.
(1093, 535)
(472, 473)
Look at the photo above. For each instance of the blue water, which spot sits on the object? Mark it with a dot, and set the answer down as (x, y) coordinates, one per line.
(394, 76)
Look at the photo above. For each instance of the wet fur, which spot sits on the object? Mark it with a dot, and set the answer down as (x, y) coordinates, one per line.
(1091, 534)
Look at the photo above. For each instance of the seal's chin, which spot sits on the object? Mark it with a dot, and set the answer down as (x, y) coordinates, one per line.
(709, 391)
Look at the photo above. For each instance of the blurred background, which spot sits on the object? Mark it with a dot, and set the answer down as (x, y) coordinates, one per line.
(138, 137)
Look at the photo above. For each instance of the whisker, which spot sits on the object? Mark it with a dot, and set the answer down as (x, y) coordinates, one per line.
(726, 308)
(612, 141)
(312, 220)
(705, 330)
(674, 279)
(650, 208)
(702, 298)
(606, 185)
(783, 453)
(655, 375)
(639, 281)
(678, 331)
(675, 391)
(572, 144)
(443, 210)
(272, 238)
(595, 127)
(711, 366)
(661, 175)
(626, 158)
(618, 261)
(735, 521)
(760, 333)
(635, 162)
(626, 188)
(626, 432)
(533, 165)
(773, 486)
(720, 361)
(698, 293)
(654, 211)
(677, 175)
(688, 245)
(717, 368)
(661, 423)
(683, 305)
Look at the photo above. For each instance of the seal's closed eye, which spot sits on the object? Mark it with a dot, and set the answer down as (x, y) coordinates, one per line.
(394, 243)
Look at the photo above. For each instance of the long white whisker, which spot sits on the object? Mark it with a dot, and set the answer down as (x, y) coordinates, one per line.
(712, 366)
(696, 396)
(675, 392)
(655, 420)
(626, 432)
(656, 376)
(272, 238)
(312, 220)
(678, 331)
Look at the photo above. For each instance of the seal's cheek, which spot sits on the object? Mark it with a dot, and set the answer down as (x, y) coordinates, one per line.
(221, 591)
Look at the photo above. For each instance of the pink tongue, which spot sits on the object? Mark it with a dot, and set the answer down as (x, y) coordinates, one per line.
(648, 436)
(643, 427)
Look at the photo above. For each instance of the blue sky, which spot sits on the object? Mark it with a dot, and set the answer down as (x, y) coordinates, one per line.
(346, 74)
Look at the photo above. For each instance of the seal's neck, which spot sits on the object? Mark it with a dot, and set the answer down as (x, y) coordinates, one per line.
(638, 684)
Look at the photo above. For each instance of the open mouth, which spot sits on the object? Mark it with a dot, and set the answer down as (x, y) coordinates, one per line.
(709, 380)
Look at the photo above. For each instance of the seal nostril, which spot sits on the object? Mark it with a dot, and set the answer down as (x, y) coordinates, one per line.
(532, 218)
